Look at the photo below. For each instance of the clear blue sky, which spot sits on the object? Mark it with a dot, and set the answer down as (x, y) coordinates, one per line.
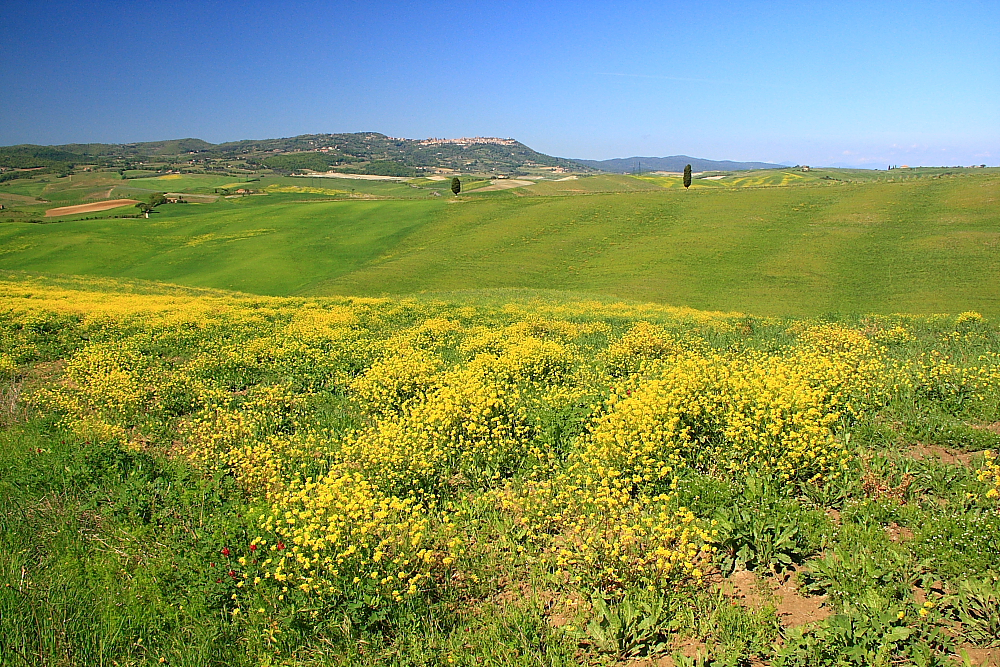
(851, 83)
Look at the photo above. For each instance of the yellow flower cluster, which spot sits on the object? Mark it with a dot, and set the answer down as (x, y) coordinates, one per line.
(435, 423)
(226, 428)
(108, 389)
(652, 426)
(990, 474)
(894, 335)
(643, 343)
(968, 316)
(598, 533)
(389, 384)
(340, 536)
(937, 376)
(738, 411)
(8, 367)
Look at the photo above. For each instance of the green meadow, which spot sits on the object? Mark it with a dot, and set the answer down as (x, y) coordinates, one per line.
(781, 242)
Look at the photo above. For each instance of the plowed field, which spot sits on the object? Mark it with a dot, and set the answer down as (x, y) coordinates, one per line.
(89, 208)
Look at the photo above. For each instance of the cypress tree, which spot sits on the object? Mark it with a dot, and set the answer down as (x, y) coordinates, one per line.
(687, 176)
(456, 185)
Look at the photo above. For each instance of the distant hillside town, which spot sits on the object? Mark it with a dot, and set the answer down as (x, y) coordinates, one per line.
(468, 141)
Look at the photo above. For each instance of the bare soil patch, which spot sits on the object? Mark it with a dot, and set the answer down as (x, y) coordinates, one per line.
(687, 647)
(898, 533)
(935, 592)
(360, 177)
(793, 608)
(921, 451)
(505, 184)
(744, 587)
(90, 208)
(981, 657)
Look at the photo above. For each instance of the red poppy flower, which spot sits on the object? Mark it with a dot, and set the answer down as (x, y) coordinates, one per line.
(253, 547)
(281, 545)
(232, 573)
(225, 551)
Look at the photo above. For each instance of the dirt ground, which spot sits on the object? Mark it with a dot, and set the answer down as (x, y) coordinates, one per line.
(981, 657)
(505, 184)
(793, 608)
(953, 457)
(89, 208)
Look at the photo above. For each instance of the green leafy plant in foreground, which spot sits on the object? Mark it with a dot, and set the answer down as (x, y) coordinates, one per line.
(976, 605)
(764, 531)
(629, 627)
(874, 632)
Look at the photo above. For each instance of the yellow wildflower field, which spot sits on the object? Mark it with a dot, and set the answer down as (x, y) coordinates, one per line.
(369, 438)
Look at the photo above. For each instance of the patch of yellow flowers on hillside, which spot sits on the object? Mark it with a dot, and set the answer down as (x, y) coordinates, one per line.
(442, 405)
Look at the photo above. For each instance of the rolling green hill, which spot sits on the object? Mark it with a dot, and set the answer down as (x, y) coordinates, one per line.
(778, 242)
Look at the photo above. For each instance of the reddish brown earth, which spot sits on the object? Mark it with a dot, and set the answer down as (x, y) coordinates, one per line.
(793, 608)
(89, 208)
(980, 657)
(920, 451)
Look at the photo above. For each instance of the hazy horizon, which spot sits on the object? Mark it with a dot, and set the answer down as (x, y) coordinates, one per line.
(852, 85)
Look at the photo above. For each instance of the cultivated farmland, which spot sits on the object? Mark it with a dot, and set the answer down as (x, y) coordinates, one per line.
(89, 208)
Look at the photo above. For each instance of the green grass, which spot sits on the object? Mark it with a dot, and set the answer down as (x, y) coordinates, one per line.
(924, 246)
(87, 577)
(828, 241)
(281, 248)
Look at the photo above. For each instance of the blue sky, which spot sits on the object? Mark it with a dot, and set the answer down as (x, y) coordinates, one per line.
(846, 83)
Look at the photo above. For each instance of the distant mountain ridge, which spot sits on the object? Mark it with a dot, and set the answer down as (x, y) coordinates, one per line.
(631, 165)
(357, 151)
(360, 152)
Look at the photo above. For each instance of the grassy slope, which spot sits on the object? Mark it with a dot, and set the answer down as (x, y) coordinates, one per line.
(919, 246)
(915, 245)
(266, 249)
